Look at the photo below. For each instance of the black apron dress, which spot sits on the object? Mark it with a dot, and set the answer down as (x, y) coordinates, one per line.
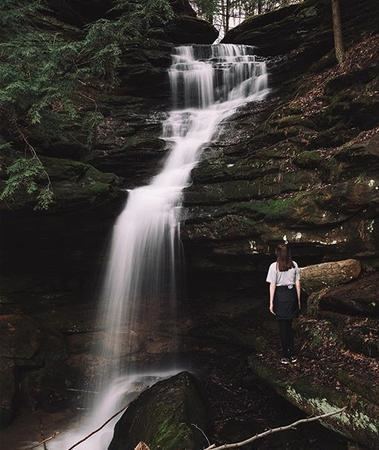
(286, 306)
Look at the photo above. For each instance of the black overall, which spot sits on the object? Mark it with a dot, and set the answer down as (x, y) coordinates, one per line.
(286, 308)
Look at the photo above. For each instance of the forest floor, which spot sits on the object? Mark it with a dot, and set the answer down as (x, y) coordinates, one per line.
(240, 404)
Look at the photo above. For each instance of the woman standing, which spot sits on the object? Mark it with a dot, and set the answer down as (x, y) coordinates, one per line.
(284, 278)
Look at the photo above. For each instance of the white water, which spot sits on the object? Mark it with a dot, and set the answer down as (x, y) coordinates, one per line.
(208, 83)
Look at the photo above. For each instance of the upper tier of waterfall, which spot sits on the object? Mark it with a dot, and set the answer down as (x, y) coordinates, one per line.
(202, 75)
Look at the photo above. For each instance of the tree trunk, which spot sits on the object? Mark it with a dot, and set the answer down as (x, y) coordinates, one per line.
(259, 4)
(330, 274)
(227, 15)
(337, 31)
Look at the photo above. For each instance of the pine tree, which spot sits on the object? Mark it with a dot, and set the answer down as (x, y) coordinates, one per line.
(46, 75)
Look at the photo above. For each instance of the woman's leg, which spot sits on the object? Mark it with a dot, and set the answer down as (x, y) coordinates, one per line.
(290, 338)
(284, 337)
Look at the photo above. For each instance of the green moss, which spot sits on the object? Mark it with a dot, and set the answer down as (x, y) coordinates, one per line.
(359, 422)
(171, 436)
(272, 209)
(309, 160)
(163, 416)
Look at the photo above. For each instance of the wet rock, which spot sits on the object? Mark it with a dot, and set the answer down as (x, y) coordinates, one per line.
(319, 276)
(162, 417)
(20, 338)
(46, 386)
(129, 142)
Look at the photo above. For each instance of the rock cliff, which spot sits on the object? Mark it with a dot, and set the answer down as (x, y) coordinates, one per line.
(303, 165)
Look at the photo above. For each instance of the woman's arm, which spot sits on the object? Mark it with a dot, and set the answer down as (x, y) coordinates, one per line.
(298, 290)
(272, 293)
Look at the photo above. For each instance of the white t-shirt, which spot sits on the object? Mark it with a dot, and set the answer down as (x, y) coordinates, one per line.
(289, 277)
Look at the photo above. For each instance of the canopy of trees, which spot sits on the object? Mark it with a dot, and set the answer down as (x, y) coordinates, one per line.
(225, 14)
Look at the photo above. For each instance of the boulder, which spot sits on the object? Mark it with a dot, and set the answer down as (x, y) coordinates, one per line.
(79, 12)
(330, 274)
(164, 417)
(190, 30)
(358, 297)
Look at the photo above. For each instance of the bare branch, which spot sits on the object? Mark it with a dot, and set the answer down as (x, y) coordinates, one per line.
(98, 429)
(42, 442)
(202, 432)
(273, 430)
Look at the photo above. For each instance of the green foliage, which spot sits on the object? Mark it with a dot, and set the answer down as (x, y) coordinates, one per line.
(49, 80)
(223, 12)
(16, 13)
(139, 16)
(24, 174)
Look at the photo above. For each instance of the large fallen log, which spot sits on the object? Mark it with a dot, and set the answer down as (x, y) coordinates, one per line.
(330, 274)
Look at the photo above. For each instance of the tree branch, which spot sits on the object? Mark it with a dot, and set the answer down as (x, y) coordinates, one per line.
(273, 430)
(98, 429)
(54, 435)
(202, 432)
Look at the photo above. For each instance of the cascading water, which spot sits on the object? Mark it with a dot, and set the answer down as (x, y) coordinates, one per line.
(208, 83)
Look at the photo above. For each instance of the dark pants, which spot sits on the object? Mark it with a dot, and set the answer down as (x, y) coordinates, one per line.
(286, 337)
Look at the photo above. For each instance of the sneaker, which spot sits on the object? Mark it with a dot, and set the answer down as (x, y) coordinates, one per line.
(285, 361)
(293, 359)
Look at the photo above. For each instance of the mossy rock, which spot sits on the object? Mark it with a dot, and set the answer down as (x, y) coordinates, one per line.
(163, 417)
(268, 185)
(309, 160)
(359, 422)
(76, 185)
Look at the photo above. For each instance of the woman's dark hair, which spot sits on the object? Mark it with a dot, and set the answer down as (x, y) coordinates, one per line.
(283, 257)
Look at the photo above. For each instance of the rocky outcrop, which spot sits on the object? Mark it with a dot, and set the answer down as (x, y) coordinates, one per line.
(301, 166)
(75, 185)
(355, 298)
(47, 262)
(360, 422)
(164, 416)
(300, 34)
(187, 29)
(184, 27)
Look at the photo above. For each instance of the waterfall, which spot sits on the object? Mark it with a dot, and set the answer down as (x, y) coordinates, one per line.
(207, 83)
